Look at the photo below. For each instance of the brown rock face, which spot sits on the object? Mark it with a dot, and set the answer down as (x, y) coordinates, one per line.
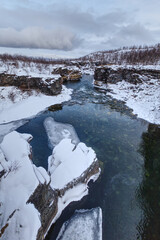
(48, 87)
(134, 76)
(68, 74)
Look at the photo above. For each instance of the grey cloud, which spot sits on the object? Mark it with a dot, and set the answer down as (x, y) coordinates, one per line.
(32, 26)
(38, 38)
(132, 34)
(69, 17)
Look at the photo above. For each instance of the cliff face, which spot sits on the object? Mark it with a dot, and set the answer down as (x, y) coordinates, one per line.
(48, 86)
(131, 75)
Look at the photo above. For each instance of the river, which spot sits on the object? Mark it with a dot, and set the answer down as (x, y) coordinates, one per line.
(128, 189)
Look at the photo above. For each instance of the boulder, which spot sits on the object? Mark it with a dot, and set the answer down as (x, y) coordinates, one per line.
(68, 74)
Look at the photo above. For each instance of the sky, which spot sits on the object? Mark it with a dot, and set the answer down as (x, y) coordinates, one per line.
(74, 28)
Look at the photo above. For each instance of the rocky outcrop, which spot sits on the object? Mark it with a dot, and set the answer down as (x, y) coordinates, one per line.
(107, 74)
(48, 86)
(68, 74)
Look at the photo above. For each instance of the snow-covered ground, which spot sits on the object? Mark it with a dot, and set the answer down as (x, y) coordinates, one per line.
(84, 225)
(24, 106)
(31, 69)
(143, 98)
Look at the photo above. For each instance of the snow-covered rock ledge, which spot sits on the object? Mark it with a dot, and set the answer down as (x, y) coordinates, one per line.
(139, 89)
(31, 198)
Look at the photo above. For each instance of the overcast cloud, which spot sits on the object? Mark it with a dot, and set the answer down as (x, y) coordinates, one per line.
(79, 26)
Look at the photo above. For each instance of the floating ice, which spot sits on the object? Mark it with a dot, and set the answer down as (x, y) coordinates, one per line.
(9, 127)
(84, 225)
(57, 131)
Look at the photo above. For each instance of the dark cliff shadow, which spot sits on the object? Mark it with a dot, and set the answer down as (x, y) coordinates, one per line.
(149, 191)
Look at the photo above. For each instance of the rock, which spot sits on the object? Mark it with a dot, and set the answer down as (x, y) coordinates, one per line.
(68, 74)
(48, 86)
(107, 74)
(45, 200)
(55, 107)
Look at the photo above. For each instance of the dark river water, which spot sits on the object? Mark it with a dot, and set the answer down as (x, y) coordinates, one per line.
(128, 189)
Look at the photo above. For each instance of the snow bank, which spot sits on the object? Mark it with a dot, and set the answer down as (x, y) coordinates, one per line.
(143, 98)
(24, 107)
(57, 131)
(16, 186)
(85, 224)
(69, 162)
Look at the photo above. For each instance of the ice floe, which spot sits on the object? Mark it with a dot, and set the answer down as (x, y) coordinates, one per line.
(84, 225)
(57, 131)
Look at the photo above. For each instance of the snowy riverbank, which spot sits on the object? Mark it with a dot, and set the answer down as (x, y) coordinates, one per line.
(138, 87)
(25, 106)
(143, 98)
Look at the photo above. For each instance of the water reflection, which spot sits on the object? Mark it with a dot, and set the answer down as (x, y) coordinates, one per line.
(149, 191)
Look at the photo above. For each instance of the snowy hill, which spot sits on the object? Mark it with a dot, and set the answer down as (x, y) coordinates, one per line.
(146, 55)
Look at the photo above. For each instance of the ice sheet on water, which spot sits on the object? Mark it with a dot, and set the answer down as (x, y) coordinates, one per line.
(57, 131)
(84, 225)
(9, 127)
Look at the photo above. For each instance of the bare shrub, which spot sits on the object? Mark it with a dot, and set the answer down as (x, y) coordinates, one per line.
(12, 96)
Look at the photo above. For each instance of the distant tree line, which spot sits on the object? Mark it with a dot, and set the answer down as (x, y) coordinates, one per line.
(144, 55)
(39, 60)
(135, 55)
